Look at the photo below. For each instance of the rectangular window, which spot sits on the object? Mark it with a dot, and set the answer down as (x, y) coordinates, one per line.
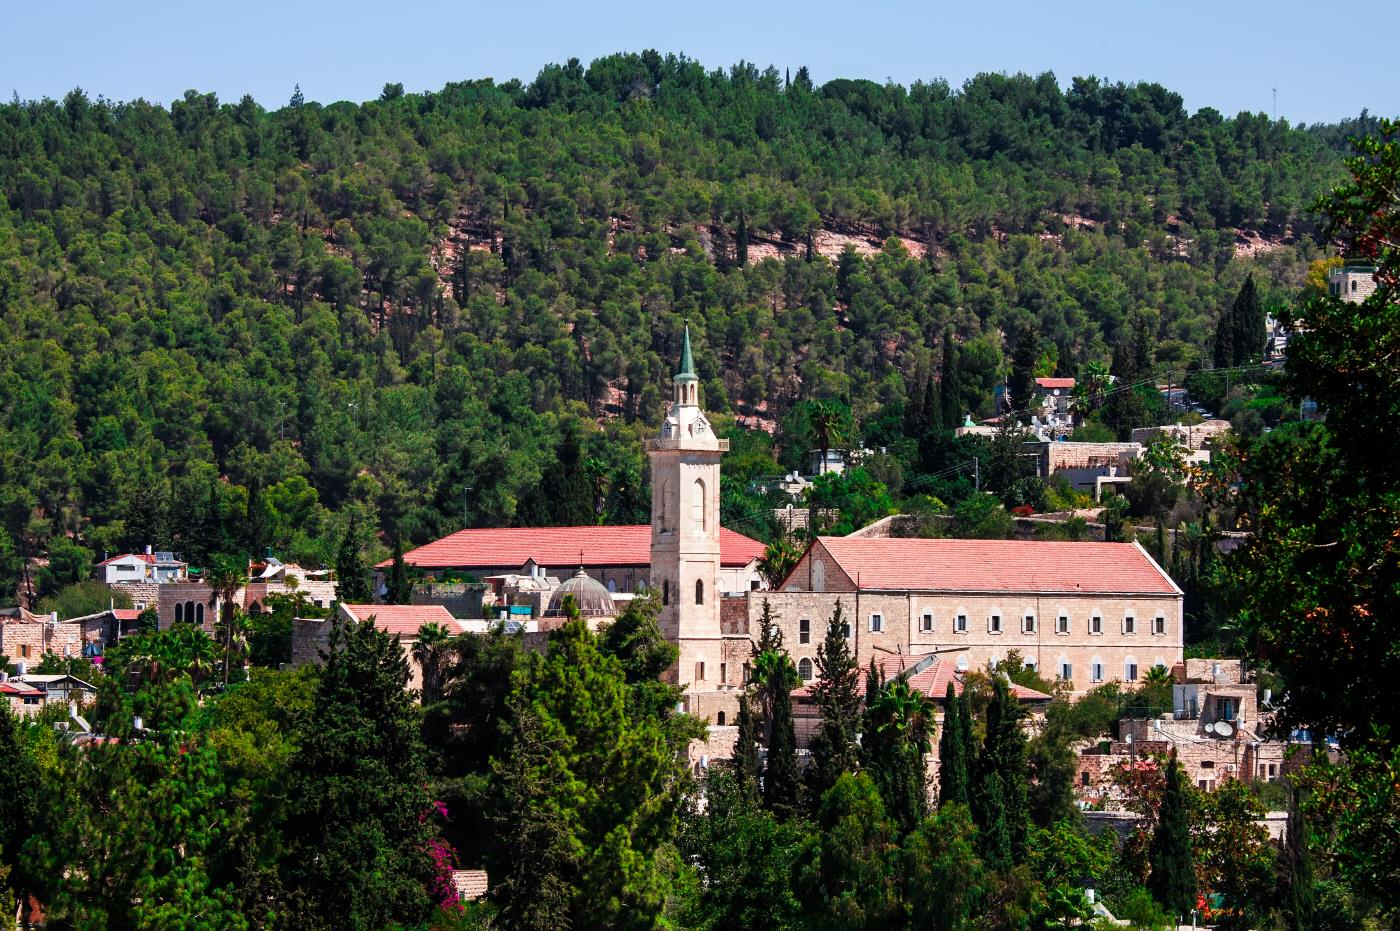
(1159, 624)
(700, 672)
(1084, 778)
(961, 625)
(1067, 671)
(723, 673)
(1273, 770)
(804, 631)
(1028, 625)
(753, 585)
(1129, 624)
(927, 623)
(1130, 672)
(1095, 625)
(877, 623)
(994, 624)
(1096, 672)
(1207, 764)
(1062, 624)
(846, 631)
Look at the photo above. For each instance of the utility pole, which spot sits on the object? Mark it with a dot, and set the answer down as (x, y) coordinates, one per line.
(976, 474)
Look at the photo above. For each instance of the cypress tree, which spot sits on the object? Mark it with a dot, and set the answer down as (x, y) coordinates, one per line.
(1023, 359)
(353, 574)
(741, 242)
(1246, 321)
(1299, 895)
(400, 590)
(932, 407)
(1000, 804)
(950, 385)
(745, 750)
(834, 746)
(781, 778)
(867, 726)
(1171, 881)
(952, 753)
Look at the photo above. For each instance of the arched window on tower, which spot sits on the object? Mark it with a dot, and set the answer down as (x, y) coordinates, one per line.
(699, 591)
(199, 614)
(179, 612)
(697, 505)
(664, 518)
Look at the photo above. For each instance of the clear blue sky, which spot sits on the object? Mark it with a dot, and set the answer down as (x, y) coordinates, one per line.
(1326, 62)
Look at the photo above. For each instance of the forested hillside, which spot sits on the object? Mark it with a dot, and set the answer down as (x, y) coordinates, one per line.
(227, 327)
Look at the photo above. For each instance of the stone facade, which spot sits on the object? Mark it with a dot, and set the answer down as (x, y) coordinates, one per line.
(685, 550)
(1133, 634)
(143, 595)
(26, 637)
(1353, 284)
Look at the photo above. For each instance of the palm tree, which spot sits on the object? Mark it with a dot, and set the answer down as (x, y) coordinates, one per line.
(779, 559)
(1158, 675)
(430, 652)
(905, 715)
(1091, 387)
(225, 577)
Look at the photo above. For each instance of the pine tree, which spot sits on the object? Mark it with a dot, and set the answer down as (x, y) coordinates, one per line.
(745, 747)
(400, 589)
(19, 799)
(952, 753)
(358, 804)
(354, 577)
(1171, 880)
(835, 749)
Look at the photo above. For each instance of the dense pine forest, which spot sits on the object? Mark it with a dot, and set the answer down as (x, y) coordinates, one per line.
(228, 327)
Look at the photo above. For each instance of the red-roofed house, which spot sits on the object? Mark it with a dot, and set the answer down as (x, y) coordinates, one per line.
(617, 556)
(1087, 613)
(149, 566)
(311, 636)
(22, 697)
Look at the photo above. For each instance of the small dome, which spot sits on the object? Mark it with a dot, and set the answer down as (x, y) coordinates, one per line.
(590, 595)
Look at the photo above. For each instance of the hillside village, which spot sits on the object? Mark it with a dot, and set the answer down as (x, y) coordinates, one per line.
(656, 497)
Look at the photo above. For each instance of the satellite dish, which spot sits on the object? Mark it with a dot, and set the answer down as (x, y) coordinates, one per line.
(1224, 728)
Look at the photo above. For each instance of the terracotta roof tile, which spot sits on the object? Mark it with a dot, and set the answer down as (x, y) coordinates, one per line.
(557, 547)
(894, 564)
(404, 620)
(1049, 383)
(934, 680)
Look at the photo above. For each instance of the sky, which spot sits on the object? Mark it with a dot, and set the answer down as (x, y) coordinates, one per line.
(1228, 54)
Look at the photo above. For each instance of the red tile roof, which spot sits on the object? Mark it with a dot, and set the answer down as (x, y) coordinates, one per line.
(143, 557)
(560, 548)
(1049, 383)
(126, 614)
(1040, 566)
(20, 688)
(404, 620)
(934, 680)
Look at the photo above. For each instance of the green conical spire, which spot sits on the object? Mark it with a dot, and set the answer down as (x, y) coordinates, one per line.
(687, 372)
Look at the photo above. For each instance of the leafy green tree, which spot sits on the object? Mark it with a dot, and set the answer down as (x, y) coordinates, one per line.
(358, 813)
(586, 795)
(83, 598)
(1172, 881)
(745, 854)
(1297, 890)
(944, 880)
(834, 747)
(1233, 853)
(848, 877)
(21, 783)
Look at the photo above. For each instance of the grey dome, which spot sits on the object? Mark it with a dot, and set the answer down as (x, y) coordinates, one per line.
(592, 598)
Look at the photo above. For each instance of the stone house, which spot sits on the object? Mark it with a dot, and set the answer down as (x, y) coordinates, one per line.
(150, 567)
(21, 697)
(311, 636)
(25, 637)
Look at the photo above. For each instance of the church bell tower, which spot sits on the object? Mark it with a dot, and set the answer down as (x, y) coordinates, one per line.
(685, 531)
